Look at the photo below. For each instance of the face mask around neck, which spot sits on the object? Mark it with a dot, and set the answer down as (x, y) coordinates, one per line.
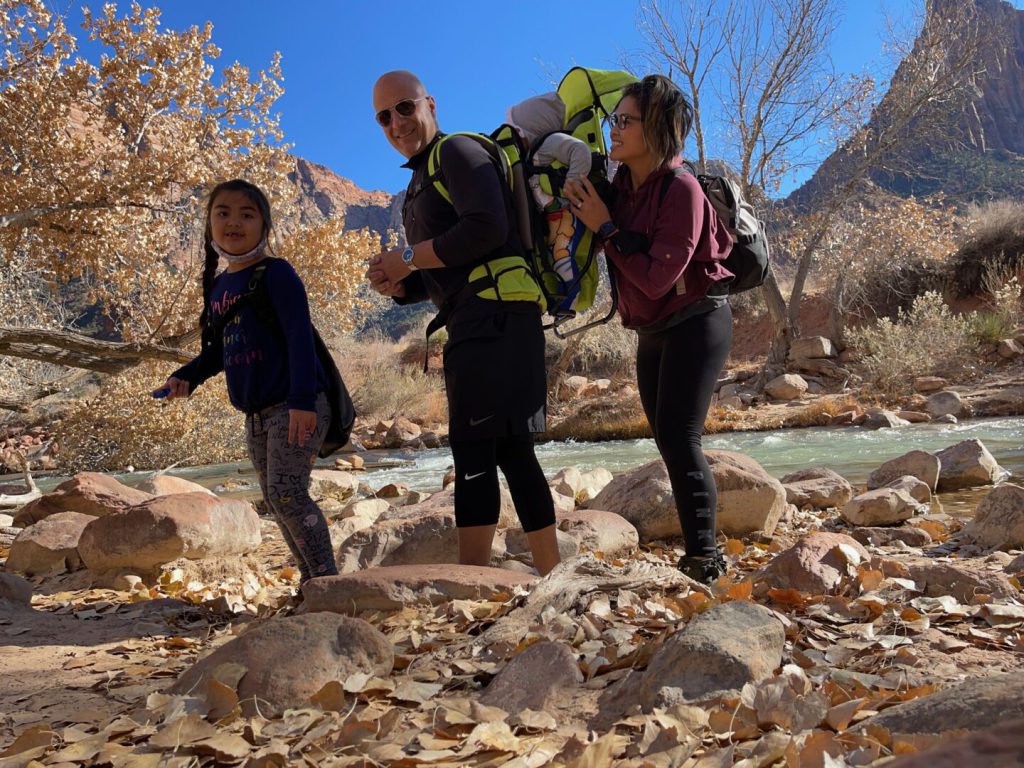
(238, 258)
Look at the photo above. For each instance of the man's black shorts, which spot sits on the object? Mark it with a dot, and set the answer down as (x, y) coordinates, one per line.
(494, 371)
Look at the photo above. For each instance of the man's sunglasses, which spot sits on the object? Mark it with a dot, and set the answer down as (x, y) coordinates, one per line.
(621, 121)
(405, 108)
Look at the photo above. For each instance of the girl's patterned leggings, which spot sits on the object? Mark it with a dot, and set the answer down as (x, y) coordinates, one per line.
(283, 471)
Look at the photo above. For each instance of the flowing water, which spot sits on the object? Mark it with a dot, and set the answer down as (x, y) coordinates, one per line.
(851, 451)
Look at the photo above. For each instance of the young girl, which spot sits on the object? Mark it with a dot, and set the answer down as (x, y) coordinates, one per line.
(665, 247)
(270, 364)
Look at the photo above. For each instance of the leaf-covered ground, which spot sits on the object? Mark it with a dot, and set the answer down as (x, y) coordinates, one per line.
(83, 673)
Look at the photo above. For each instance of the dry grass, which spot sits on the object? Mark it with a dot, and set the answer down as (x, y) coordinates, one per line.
(821, 412)
(995, 244)
(383, 386)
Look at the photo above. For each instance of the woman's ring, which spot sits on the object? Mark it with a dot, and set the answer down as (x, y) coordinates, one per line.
(578, 204)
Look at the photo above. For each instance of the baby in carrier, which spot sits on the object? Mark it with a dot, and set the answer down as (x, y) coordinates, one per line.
(540, 119)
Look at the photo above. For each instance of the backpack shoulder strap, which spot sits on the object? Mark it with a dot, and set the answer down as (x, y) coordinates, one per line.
(666, 182)
(489, 144)
(256, 294)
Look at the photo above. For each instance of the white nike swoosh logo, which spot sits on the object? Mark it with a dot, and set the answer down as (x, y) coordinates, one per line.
(470, 477)
(474, 422)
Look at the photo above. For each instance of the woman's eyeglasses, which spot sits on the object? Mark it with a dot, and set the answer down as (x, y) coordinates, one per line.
(405, 108)
(621, 121)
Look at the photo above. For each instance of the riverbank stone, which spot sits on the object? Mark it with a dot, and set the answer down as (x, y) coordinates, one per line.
(15, 589)
(812, 348)
(49, 546)
(193, 526)
(165, 485)
(788, 386)
(973, 705)
(716, 654)
(878, 418)
(965, 579)
(999, 520)
(885, 536)
(817, 487)
(596, 530)
(920, 464)
(533, 678)
(883, 506)
(944, 403)
(998, 747)
(916, 489)
(88, 493)
(966, 464)
(819, 563)
(286, 661)
(391, 588)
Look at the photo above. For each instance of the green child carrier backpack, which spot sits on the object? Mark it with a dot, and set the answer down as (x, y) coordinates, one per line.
(589, 95)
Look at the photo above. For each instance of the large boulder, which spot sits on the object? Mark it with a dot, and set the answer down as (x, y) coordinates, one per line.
(391, 588)
(973, 705)
(49, 546)
(947, 403)
(287, 661)
(749, 499)
(965, 465)
(962, 579)
(817, 487)
(718, 652)
(568, 481)
(165, 485)
(999, 520)
(598, 531)
(533, 678)
(594, 482)
(879, 418)
(920, 464)
(413, 534)
(883, 506)
(818, 563)
(916, 489)
(788, 386)
(88, 493)
(185, 525)
(812, 348)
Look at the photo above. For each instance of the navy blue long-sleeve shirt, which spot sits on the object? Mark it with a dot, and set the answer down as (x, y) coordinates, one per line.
(264, 365)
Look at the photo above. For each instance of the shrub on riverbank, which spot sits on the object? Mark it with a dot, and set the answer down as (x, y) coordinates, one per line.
(123, 425)
(921, 341)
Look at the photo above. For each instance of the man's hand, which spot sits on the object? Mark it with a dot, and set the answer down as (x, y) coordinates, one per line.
(301, 426)
(386, 272)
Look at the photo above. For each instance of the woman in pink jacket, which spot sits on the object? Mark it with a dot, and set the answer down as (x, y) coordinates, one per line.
(665, 247)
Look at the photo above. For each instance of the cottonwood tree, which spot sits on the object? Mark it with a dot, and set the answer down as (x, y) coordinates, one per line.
(774, 94)
(103, 165)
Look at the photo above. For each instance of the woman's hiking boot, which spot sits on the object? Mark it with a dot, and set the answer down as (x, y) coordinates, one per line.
(704, 570)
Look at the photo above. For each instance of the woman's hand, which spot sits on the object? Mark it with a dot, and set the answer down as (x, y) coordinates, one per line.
(176, 388)
(301, 426)
(586, 203)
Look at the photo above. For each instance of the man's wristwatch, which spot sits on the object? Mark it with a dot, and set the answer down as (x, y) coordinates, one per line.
(606, 230)
(407, 255)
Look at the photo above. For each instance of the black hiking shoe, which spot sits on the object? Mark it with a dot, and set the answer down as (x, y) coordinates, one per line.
(704, 570)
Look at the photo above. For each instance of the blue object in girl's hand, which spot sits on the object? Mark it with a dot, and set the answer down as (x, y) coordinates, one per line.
(162, 392)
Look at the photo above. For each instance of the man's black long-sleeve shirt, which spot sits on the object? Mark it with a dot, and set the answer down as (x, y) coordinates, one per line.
(476, 226)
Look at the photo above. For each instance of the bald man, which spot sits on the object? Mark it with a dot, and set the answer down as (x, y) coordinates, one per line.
(494, 357)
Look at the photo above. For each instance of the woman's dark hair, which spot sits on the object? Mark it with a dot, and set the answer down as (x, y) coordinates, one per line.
(666, 114)
(257, 198)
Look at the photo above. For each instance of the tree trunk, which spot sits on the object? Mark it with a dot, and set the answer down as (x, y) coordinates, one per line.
(782, 334)
(77, 351)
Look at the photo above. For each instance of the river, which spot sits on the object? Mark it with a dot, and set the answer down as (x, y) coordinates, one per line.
(853, 452)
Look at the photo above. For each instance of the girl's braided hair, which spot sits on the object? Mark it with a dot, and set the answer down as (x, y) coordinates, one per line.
(666, 114)
(257, 198)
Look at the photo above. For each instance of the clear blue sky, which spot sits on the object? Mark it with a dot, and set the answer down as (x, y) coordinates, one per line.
(467, 53)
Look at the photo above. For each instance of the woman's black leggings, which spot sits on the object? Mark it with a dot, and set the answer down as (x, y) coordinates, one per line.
(676, 372)
(477, 496)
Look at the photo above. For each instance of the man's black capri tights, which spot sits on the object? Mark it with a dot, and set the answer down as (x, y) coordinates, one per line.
(477, 496)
